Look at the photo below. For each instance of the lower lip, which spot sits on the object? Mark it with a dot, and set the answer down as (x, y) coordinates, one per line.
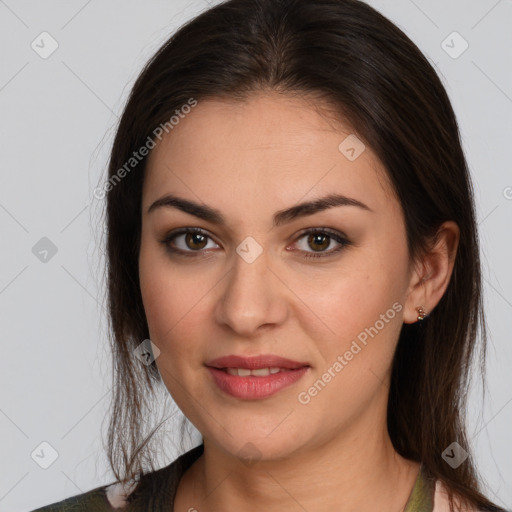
(253, 387)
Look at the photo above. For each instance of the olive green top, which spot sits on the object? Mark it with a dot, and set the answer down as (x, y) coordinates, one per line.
(421, 498)
(156, 491)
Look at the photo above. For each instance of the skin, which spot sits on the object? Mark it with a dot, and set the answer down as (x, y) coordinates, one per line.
(249, 160)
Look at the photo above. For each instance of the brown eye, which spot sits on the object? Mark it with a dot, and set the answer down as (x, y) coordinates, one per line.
(195, 240)
(317, 241)
(187, 242)
(320, 240)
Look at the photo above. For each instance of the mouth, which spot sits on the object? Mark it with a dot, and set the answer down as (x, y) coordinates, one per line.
(257, 377)
(261, 362)
(257, 372)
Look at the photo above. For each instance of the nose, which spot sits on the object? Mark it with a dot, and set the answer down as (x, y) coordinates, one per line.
(253, 297)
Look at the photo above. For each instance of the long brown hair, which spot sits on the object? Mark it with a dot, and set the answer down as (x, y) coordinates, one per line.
(345, 53)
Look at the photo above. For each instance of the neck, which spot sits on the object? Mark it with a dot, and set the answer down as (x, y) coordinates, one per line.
(366, 474)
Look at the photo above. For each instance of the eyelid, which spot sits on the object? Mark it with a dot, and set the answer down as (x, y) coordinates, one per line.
(169, 237)
(333, 234)
(338, 236)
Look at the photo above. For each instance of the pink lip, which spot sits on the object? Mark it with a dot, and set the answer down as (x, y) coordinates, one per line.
(255, 387)
(251, 363)
(252, 387)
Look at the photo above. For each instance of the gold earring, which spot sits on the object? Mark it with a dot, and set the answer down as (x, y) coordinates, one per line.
(421, 312)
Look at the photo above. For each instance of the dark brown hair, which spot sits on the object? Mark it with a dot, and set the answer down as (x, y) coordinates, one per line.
(350, 56)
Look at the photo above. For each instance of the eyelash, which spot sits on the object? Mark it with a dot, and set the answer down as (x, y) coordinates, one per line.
(334, 235)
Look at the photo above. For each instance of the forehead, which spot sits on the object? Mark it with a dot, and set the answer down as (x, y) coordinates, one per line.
(279, 148)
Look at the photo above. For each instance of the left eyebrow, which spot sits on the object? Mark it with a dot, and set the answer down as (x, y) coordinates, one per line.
(281, 217)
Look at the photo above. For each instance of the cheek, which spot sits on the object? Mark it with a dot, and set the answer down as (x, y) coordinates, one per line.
(173, 307)
(356, 352)
(363, 326)
(361, 310)
(354, 296)
(172, 312)
(169, 310)
(163, 296)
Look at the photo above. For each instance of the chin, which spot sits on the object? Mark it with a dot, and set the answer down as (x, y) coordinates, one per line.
(257, 446)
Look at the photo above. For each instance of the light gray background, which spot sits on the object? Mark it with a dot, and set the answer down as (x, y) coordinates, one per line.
(56, 126)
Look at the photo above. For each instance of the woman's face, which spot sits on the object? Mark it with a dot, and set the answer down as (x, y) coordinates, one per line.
(245, 285)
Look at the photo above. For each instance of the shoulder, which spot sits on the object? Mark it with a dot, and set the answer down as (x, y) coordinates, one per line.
(441, 503)
(94, 500)
(155, 487)
(106, 498)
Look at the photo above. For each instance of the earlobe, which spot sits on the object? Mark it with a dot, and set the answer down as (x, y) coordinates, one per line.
(417, 304)
(422, 314)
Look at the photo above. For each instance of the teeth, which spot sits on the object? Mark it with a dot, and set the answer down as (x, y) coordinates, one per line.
(258, 372)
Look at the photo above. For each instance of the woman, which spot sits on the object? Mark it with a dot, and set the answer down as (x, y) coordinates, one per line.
(292, 252)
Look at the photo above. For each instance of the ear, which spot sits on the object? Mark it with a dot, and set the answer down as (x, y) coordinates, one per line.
(432, 273)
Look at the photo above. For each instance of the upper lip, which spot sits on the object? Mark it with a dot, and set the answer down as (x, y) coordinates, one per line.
(251, 363)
